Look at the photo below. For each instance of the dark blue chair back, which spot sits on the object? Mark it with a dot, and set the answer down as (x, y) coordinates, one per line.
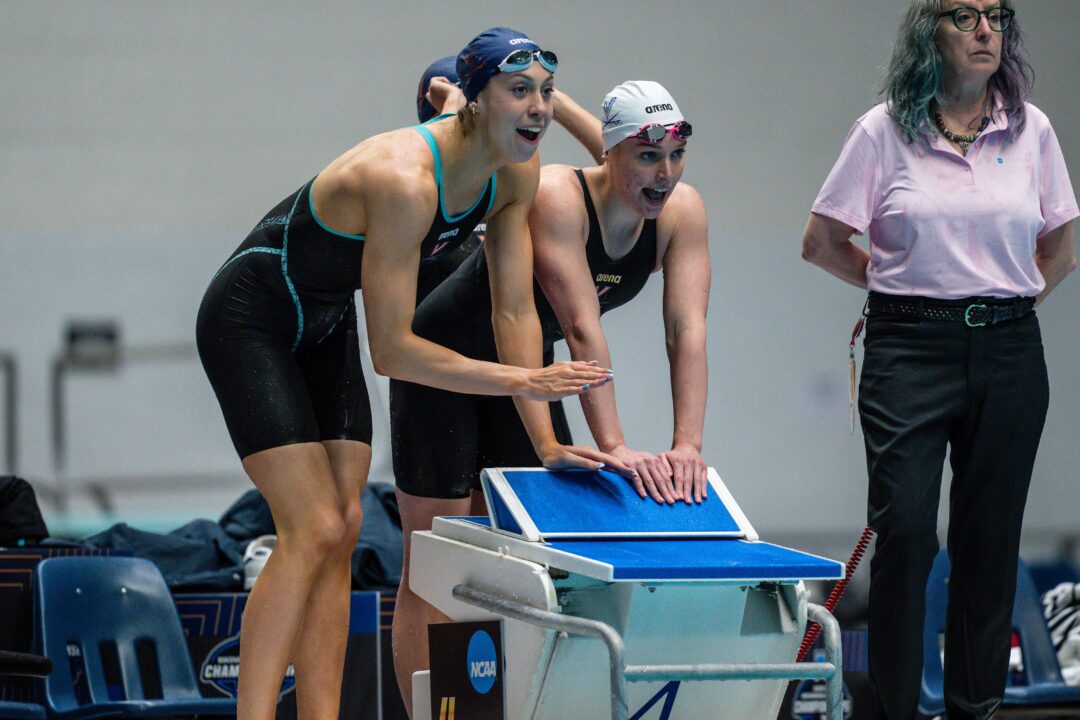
(1040, 659)
(82, 604)
(1044, 686)
(932, 695)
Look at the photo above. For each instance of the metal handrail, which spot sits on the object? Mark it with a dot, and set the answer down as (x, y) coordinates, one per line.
(830, 670)
(11, 413)
(65, 363)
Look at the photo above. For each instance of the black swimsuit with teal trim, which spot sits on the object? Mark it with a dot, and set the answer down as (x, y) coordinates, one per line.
(277, 332)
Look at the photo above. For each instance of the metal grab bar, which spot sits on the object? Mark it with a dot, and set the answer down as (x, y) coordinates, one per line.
(11, 415)
(830, 670)
(103, 354)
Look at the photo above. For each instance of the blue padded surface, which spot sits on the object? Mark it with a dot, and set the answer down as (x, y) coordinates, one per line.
(701, 559)
(602, 502)
(503, 517)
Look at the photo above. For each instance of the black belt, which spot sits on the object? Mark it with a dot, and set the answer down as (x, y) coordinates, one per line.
(974, 312)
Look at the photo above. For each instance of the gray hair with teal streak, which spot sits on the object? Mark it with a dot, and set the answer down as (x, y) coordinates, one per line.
(913, 78)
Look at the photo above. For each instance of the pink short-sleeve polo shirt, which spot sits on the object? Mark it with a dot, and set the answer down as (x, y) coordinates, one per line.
(945, 225)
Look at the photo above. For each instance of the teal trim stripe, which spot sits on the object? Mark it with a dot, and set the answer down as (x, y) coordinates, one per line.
(311, 206)
(332, 327)
(437, 118)
(439, 179)
(285, 273)
(272, 251)
(430, 139)
(491, 202)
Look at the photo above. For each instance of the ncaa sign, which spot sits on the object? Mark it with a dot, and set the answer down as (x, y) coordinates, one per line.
(467, 671)
(481, 661)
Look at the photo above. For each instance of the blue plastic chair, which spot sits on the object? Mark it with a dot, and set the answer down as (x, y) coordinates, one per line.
(932, 694)
(1045, 687)
(121, 603)
(22, 664)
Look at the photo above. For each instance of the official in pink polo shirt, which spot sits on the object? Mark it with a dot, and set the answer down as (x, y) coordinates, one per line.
(962, 188)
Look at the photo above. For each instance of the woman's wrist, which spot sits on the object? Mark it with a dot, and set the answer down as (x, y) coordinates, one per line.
(694, 444)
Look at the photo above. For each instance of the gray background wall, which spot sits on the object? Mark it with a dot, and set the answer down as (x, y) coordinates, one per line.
(139, 141)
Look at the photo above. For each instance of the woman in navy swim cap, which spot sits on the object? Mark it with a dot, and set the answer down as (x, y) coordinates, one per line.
(441, 90)
(277, 337)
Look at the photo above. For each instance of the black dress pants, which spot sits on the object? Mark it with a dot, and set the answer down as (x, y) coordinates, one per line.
(982, 392)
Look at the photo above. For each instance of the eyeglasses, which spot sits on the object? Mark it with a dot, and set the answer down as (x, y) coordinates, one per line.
(655, 132)
(967, 19)
(521, 59)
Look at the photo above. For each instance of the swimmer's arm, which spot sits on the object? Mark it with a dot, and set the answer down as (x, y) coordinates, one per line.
(559, 226)
(687, 276)
(580, 123)
(399, 208)
(445, 96)
(508, 247)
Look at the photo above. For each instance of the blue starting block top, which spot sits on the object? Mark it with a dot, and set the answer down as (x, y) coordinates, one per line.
(702, 559)
(656, 559)
(594, 523)
(537, 504)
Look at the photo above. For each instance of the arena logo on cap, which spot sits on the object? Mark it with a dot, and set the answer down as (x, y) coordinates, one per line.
(658, 108)
(481, 660)
(521, 41)
(221, 668)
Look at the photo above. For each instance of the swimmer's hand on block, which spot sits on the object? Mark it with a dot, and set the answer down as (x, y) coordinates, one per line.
(636, 481)
(663, 488)
(629, 475)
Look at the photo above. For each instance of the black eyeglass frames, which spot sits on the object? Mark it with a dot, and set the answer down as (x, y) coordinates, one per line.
(966, 19)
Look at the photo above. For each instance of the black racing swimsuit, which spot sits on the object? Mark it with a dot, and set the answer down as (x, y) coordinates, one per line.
(277, 326)
(617, 282)
(442, 440)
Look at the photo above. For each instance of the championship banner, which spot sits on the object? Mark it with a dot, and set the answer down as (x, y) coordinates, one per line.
(211, 623)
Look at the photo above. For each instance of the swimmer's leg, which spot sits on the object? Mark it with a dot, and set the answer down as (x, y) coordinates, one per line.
(298, 483)
(319, 651)
(412, 614)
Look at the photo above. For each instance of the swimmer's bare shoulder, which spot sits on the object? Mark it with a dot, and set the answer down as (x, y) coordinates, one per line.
(559, 208)
(682, 220)
(516, 185)
(390, 170)
(558, 199)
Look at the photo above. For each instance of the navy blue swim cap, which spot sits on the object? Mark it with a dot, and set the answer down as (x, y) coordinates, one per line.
(446, 67)
(479, 60)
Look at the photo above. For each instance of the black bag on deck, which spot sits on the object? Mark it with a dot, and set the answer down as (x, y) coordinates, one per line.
(20, 517)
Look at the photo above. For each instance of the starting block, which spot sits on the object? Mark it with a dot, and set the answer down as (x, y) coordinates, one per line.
(676, 594)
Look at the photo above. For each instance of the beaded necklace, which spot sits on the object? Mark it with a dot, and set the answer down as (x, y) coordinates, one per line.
(964, 141)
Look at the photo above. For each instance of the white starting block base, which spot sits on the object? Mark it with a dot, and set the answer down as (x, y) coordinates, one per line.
(695, 598)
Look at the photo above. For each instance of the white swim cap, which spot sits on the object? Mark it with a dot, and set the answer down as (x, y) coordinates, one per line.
(634, 104)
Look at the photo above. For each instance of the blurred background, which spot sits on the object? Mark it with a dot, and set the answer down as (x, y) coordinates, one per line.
(140, 141)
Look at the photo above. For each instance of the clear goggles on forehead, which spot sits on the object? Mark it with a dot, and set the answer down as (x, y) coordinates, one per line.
(655, 132)
(521, 59)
